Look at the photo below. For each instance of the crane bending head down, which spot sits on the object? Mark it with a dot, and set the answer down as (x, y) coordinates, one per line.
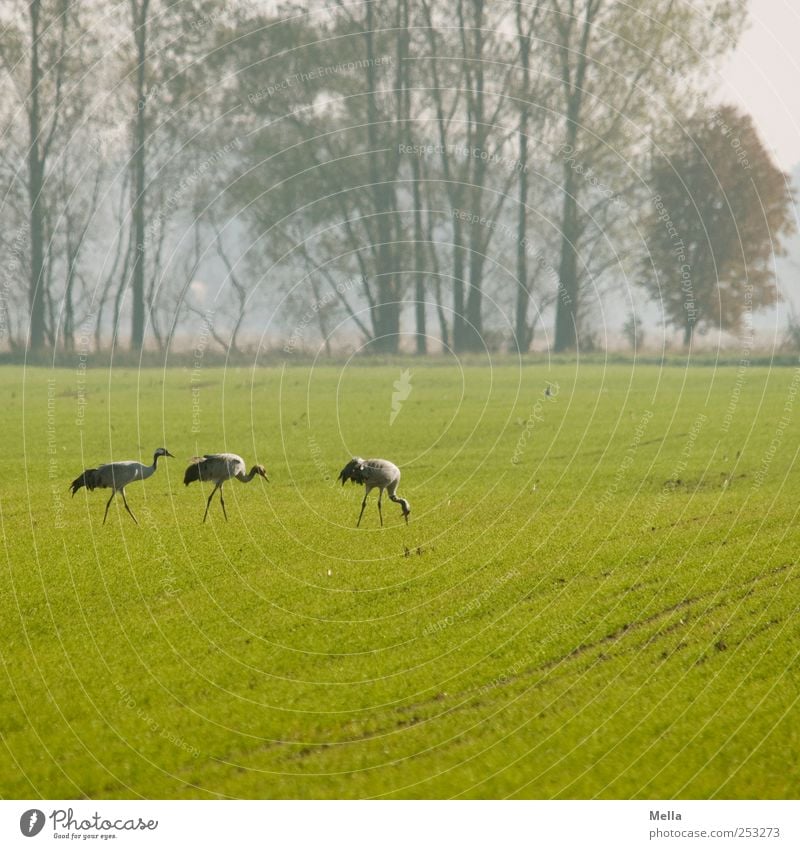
(376, 473)
(218, 468)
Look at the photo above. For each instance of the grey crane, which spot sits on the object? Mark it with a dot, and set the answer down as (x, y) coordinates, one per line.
(220, 468)
(116, 476)
(375, 473)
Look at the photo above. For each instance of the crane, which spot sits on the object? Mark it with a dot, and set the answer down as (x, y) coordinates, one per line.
(220, 468)
(116, 476)
(375, 473)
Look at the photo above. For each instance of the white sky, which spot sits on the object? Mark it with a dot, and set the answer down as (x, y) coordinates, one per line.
(763, 76)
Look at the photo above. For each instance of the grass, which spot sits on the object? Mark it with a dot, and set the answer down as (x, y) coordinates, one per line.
(597, 594)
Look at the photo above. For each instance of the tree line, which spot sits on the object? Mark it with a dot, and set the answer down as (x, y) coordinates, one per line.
(452, 175)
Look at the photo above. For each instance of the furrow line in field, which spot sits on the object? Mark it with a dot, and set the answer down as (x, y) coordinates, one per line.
(466, 698)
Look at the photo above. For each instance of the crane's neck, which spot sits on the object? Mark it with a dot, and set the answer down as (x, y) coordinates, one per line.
(406, 507)
(247, 478)
(155, 461)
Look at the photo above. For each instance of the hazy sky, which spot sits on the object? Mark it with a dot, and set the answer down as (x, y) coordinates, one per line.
(764, 76)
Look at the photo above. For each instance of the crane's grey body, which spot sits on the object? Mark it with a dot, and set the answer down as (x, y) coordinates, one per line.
(220, 468)
(116, 476)
(375, 474)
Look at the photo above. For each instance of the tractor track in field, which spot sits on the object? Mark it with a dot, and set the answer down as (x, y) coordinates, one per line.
(466, 699)
(597, 452)
(623, 631)
(618, 634)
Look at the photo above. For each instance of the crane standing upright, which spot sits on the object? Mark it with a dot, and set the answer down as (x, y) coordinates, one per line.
(116, 476)
(380, 474)
(220, 468)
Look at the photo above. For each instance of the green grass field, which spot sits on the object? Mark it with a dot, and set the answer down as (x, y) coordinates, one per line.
(596, 596)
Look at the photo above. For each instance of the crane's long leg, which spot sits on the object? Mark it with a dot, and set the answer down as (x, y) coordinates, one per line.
(380, 512)
(108, 504)
(367, 490)
(222, 502)
(125, 502)
(363, 505)
(208, 503)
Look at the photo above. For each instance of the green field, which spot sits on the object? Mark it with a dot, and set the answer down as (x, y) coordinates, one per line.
(596, 596)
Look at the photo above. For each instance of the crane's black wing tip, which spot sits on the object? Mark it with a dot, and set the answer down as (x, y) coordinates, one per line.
(193, 471)
(349, 472)
(353, 471)
(87, 479)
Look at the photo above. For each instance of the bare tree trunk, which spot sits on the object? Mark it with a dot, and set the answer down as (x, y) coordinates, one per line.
(68, 332)
(388, 310)
(36, 290)
(566, 337)
(454, 189)
(459, 318)
(473, 329)
(567, 304)
(50, 322)
(139, 20)
(404, 72)
(419, 262)
(437, 278)
(522, 332)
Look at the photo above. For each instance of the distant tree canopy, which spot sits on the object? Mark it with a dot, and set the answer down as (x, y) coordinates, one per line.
(719, 213)
(507, 144)
(389, 175)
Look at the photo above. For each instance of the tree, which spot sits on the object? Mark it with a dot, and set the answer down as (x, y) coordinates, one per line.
(404, 86)
(325, 183)
(523, 331)
(421, 150)
(56, 71)
(471, 66)
(139, 22)
(34, 51)
(720, 211)
(168, 75)
(656, 48)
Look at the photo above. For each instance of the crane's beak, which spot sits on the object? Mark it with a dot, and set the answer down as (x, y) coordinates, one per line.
(170, 455)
